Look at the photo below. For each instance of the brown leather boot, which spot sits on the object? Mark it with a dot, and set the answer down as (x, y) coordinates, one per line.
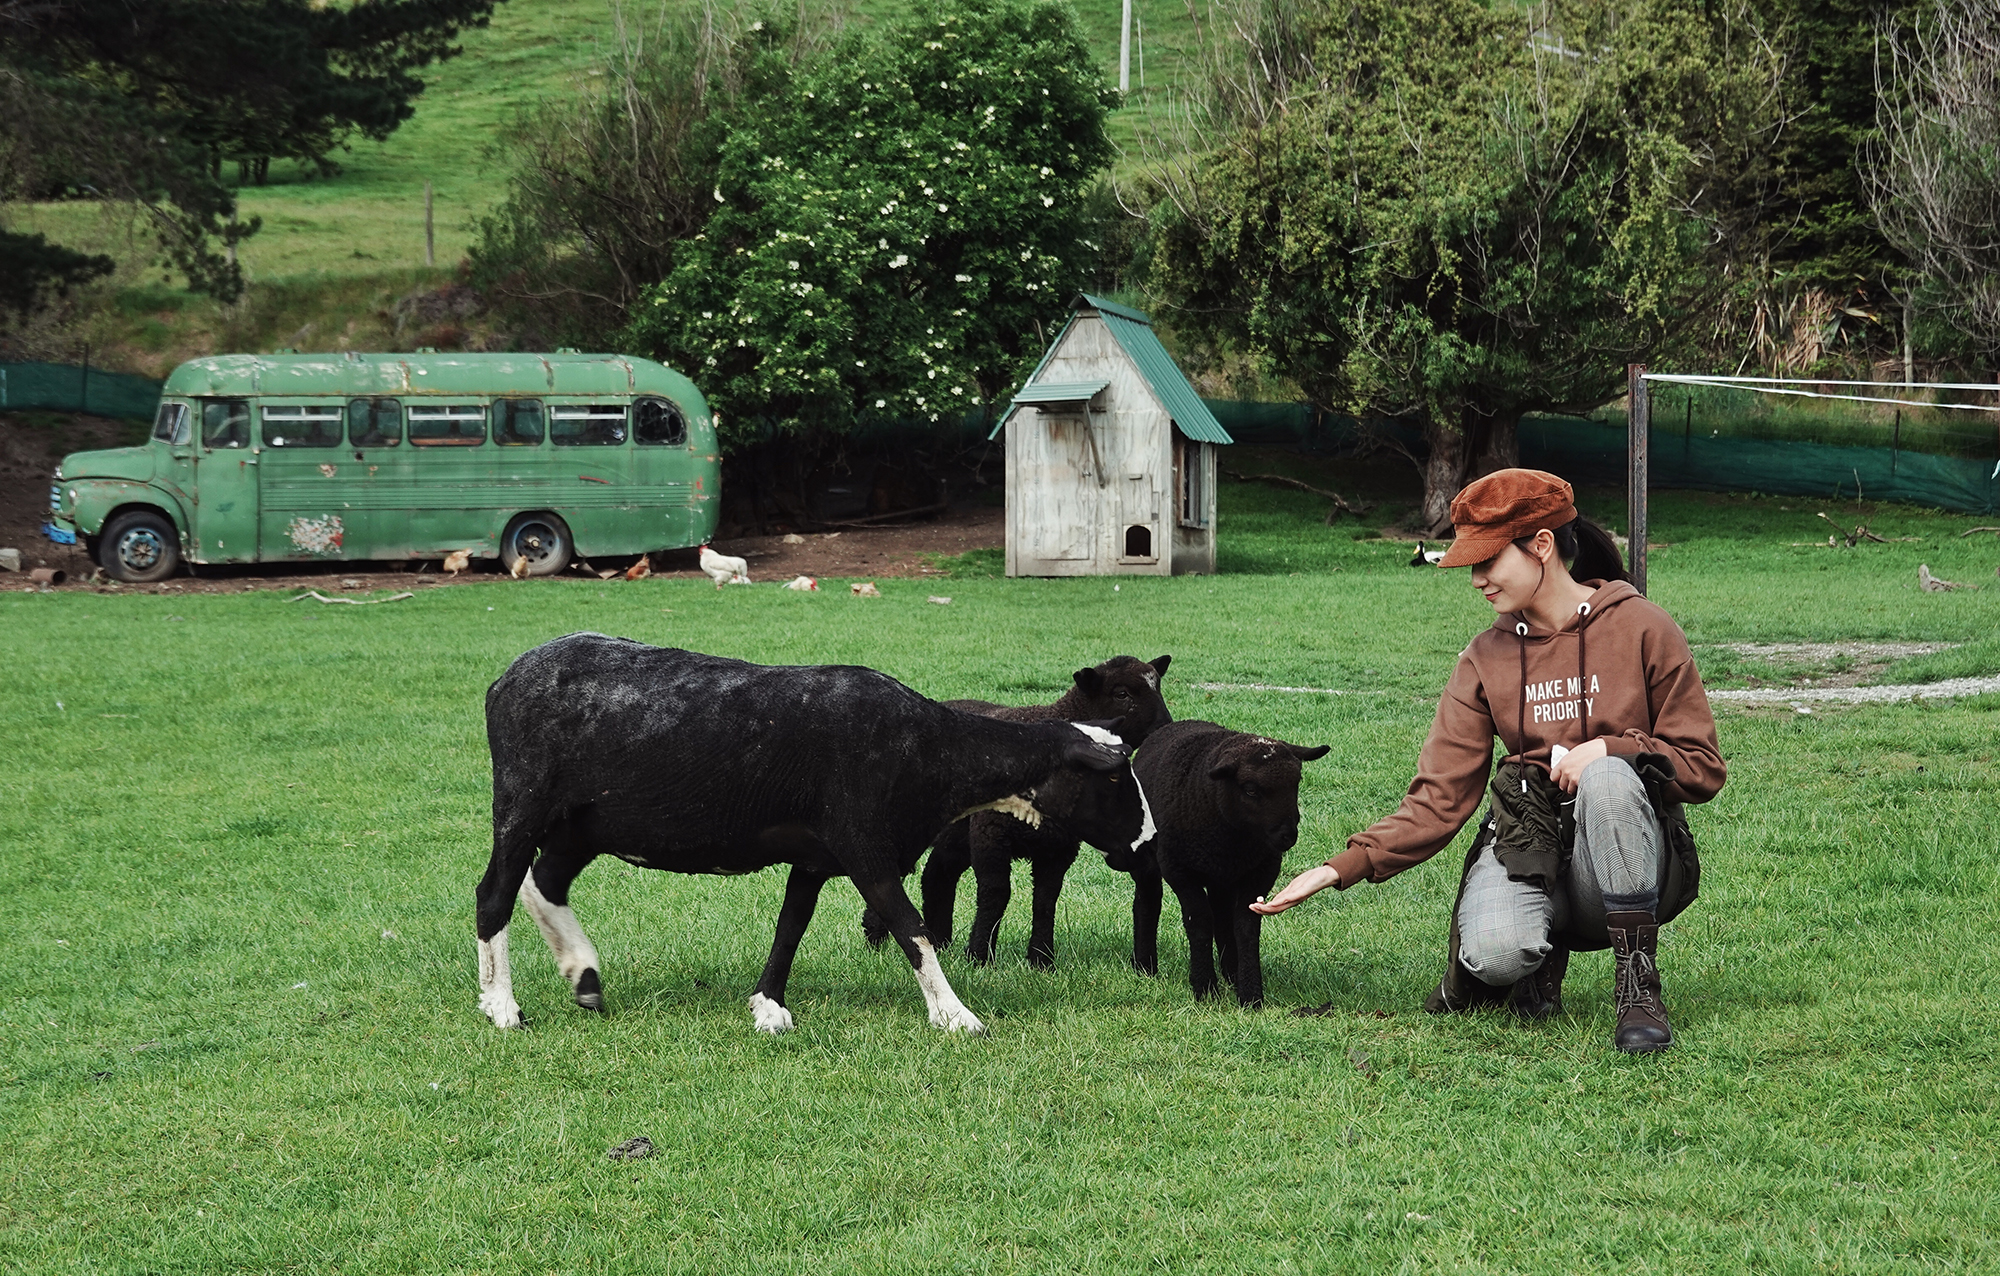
(1540, 995)
(1642, 1016)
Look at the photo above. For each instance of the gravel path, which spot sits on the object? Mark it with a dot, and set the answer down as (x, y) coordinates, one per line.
(1945, 690)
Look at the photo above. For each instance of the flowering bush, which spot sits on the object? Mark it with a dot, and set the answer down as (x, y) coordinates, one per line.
(892, 224)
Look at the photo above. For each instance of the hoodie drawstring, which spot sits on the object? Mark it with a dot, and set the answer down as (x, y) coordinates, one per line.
(1582, 685)
(1582, 682)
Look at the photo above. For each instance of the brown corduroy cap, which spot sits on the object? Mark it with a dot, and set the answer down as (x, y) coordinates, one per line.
(1505, 506)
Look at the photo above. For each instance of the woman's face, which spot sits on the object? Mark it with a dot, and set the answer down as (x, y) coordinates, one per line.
(1510, 578)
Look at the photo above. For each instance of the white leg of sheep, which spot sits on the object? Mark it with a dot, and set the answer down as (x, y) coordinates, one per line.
(575, 955)
(496, 983)
(946, 1010)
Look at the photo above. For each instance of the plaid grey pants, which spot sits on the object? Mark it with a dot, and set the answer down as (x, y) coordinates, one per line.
(1504, 925)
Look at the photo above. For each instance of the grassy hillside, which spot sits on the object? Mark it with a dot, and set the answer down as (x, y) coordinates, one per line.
(370, 219)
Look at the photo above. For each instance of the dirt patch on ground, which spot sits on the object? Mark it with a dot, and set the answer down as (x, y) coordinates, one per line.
(1801, 665)
(32, 443)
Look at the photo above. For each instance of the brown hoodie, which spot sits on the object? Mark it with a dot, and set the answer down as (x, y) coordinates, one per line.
(1620, 669)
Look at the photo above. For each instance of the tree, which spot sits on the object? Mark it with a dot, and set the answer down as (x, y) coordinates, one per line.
(1450, 215)
(31, 269)
(1934, 172)
(610, 180)
(892, 224)
(106, 99)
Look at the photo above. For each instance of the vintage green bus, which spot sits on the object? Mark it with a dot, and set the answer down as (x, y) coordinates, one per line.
(530, 458)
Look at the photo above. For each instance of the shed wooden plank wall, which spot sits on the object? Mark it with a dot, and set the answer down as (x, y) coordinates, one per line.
(1061, 521)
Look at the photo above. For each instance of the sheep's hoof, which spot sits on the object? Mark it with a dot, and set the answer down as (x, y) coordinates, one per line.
(959, 1020)
(590, 991)
(769, 1015)
(502, 1011)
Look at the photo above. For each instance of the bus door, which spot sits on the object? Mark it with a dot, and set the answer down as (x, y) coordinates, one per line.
(454, 503)
(663, 467)
(306, 480)
(379, 502)
(590, 453)
(225, 467)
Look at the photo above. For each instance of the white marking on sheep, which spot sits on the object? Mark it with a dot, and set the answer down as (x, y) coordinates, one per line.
(1099, 734)
(572, 948)
(769, 1015)
(496, 983)
(947, 1011)
(1146, 829)
(1019, 807)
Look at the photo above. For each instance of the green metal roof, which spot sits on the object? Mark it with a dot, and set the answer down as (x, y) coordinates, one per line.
(1059, 391)
(430, 374)
(1135, 336)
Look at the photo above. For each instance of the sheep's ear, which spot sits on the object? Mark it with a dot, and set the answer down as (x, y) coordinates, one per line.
(1309, 754)
(1160, 665)
(1222, 771)
(1089, 681)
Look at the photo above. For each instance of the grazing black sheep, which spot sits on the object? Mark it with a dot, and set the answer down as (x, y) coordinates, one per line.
(1227, 809)
(1122, 687)
(695, 764)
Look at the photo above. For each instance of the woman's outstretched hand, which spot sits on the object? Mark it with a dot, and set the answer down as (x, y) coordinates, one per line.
(1299, 889)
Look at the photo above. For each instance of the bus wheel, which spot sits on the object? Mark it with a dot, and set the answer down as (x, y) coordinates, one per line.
(539, 540)
(139, 548)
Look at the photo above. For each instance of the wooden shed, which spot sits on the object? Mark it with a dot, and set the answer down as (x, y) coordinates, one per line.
(1110, 456)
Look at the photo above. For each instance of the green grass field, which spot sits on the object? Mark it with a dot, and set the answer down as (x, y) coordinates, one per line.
(238, 1027)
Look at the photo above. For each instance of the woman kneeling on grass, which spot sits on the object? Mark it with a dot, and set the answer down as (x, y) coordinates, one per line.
(1593, 692)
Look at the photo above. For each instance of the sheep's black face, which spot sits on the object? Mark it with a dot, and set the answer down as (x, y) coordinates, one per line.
(1257, 789)
(1103, 808)
(1127, 688)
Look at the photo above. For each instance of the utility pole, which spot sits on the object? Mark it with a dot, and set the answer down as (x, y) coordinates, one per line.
(1125, 51)
(430, 235)
(1638, 422)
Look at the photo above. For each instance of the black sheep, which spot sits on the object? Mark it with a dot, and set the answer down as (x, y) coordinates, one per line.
(1227, 809)
(696, 764)
(989, 843)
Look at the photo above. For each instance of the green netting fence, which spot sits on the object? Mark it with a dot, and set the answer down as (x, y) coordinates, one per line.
(68, 387)
(1733, 458)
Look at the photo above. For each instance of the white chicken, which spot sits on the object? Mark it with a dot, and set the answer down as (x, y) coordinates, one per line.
(804, 584)
(724, 570)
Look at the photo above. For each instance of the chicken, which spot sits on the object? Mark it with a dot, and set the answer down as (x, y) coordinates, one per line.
(802, 584)
(724, 570)
(457, 561)
(641, 569)
(1931, 584)
(1426, 557)
(519, 571)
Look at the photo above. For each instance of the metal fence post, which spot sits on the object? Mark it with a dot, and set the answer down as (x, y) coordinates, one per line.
(1638, 422)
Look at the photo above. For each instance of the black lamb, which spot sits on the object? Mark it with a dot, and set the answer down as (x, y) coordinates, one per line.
(1227, 809)
(989, 843)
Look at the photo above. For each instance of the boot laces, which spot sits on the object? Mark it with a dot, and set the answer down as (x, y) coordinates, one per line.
(1638, 981)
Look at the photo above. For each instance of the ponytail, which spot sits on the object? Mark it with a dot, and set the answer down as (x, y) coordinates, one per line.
(1589, 551)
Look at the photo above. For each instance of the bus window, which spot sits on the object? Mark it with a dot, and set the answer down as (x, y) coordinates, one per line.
(309, 425)
(375, 422)
(447, 425)
(225, 423)
(171, 425)
(517, 422)
(574, 424)
(658, 421)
